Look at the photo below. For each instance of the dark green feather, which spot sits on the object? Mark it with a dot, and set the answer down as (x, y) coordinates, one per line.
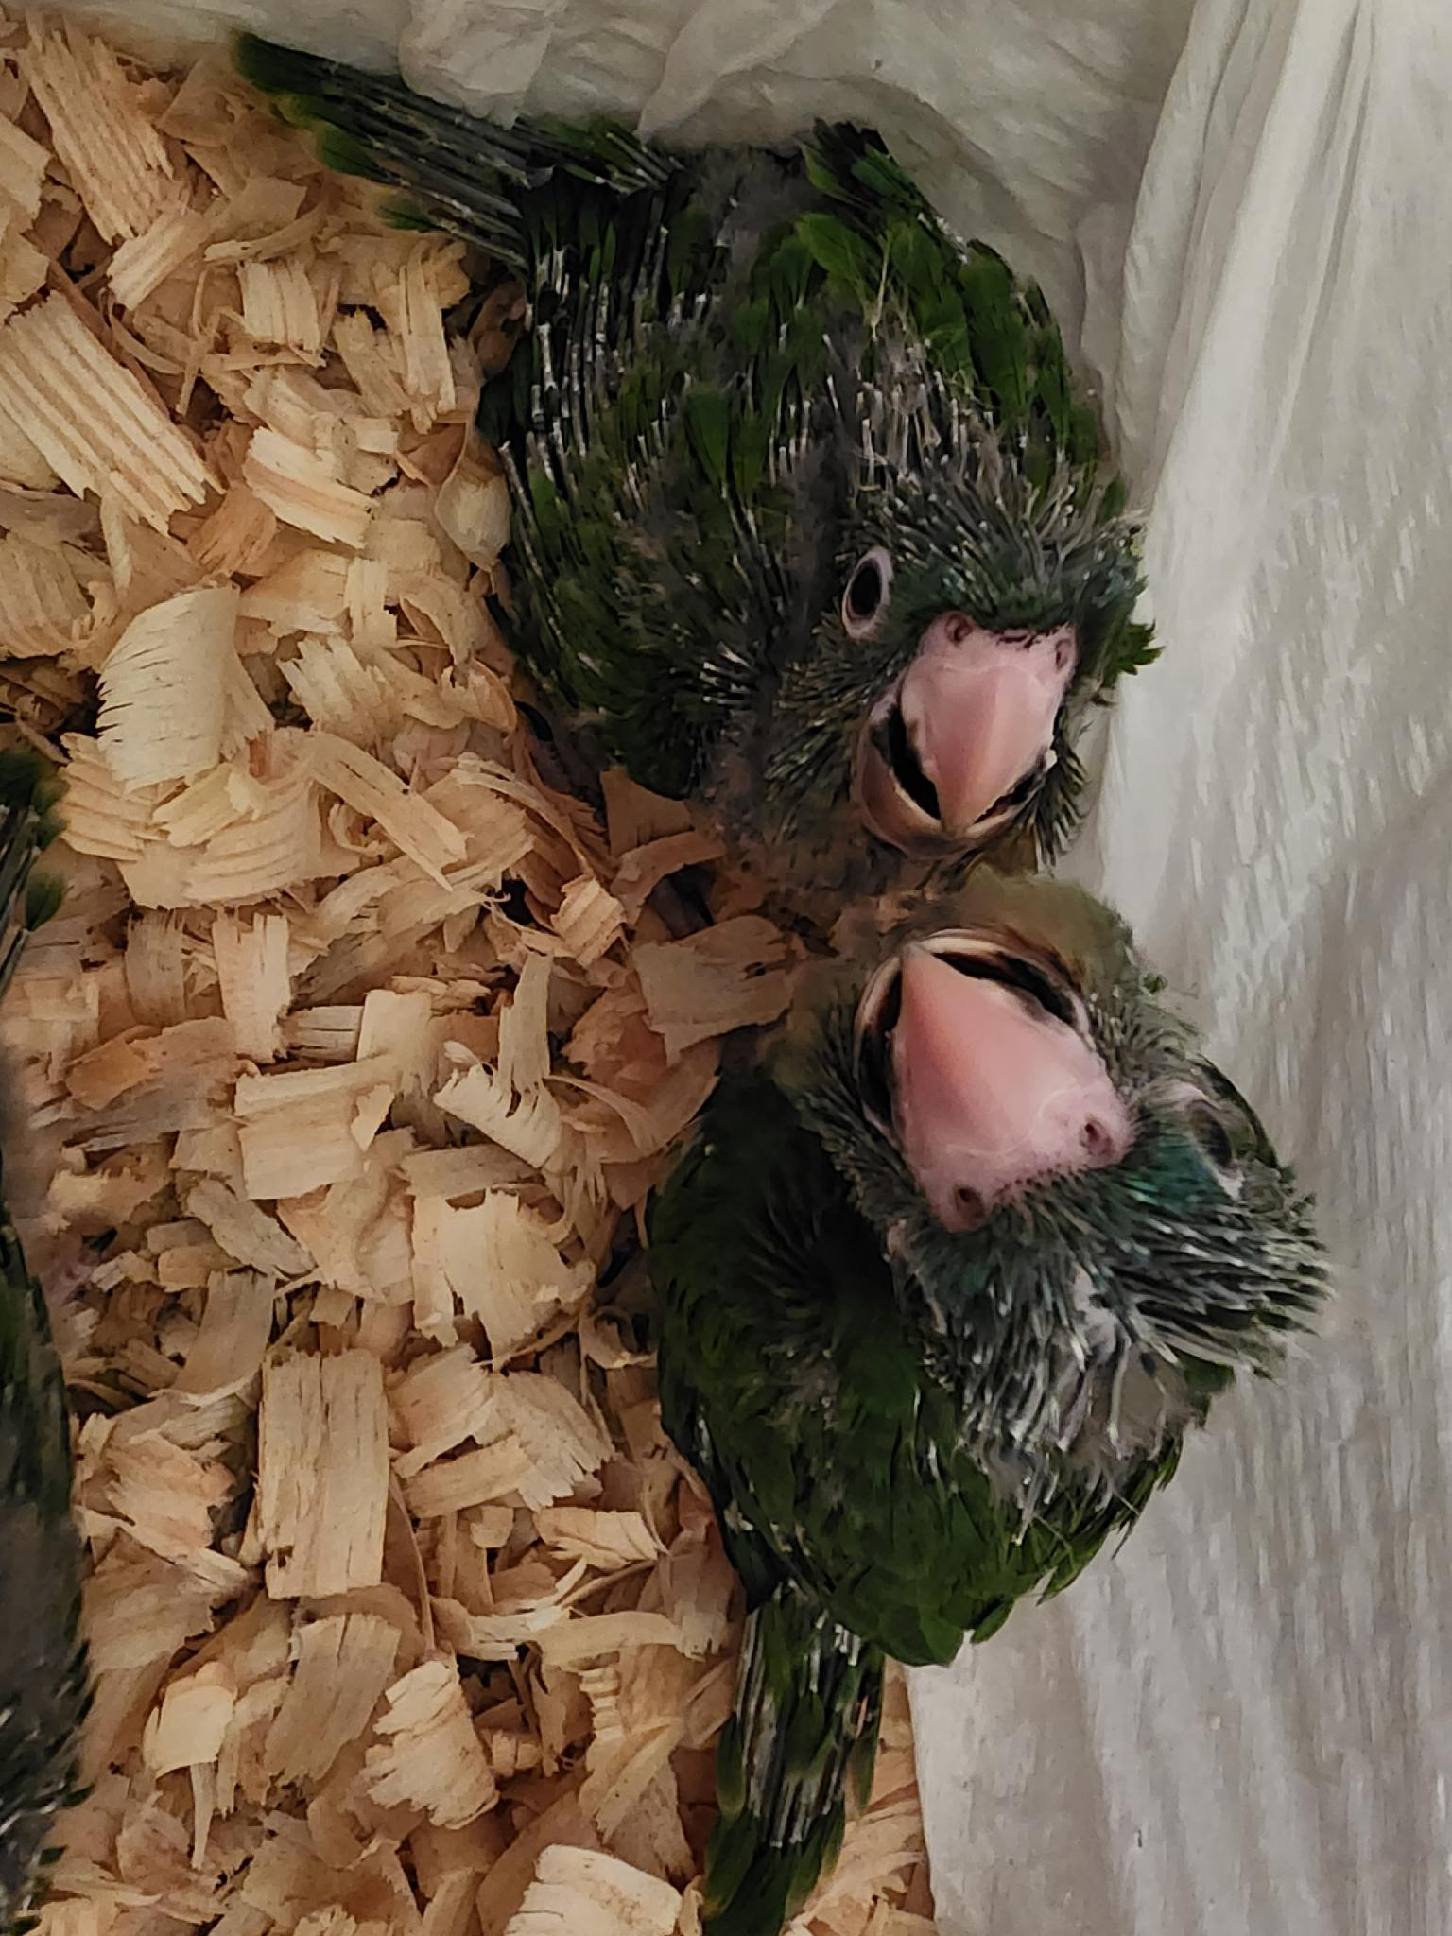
(44, 1686)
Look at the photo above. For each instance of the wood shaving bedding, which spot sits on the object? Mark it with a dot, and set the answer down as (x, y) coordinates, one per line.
(356, 1050)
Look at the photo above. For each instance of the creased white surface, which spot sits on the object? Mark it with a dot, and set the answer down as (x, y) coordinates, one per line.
(1240, 1725)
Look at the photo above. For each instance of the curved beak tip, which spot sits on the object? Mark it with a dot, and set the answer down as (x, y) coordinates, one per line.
(980, 711)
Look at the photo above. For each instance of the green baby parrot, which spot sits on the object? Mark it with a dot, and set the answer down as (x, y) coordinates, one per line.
(810, 520)
(942, 1285)
(44, 1687)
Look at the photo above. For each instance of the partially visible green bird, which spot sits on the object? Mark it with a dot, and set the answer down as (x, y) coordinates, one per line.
(942, 1285)
(810, 518)
(44, 1685)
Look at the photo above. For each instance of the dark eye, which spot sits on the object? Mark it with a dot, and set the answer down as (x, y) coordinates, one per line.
(1211, 1134)
(866, 593)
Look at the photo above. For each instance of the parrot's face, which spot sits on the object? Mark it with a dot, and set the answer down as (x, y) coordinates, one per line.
(963, 621)
(955, 750)
(1066, 1190)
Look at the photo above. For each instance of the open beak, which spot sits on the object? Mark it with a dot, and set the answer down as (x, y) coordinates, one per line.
(990, 1089)
(970, 721)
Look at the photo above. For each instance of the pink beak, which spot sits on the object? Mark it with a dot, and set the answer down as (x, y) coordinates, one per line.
(979, 708)
(991, 1092)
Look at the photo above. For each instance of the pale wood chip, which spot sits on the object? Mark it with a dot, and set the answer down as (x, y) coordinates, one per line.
(22, 167)
(322, 1473)
(253, 979)
(237, 536)
(165, 1495)
(589, 920)
(582, 1892)
(191, 1721)
(226, 1354)
(340, 693)
(472, 508)
(416, 315)
(164, 688)
(305, 592)
(303, 488)
(736, 975)
(643, 868)
(496, 1471)
(167, 243)
(635, 816)
(139, 1611)
(155, 971)
(101, 130)
(439, 1402)
(428, 1755)
(90, 418)
(280, 305)
(357, 1229)
(296, 1130)
(502, 1264)
(344, 1662)
(372, 789)
(244, 1230)
(530, 1126)
(22, 464)
(101, 818)
(565, 1443)
(606, 1540)
(23, 269)
(43, 602)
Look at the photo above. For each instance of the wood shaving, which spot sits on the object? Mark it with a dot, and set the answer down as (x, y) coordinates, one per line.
(92, 420)
(164, 689)
(357, 1049)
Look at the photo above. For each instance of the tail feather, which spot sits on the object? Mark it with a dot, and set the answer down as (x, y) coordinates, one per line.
(802, 1739)
(453, 170)
(43, 1676)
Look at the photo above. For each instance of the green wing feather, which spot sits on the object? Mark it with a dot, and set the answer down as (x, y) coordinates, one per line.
(43, 1678)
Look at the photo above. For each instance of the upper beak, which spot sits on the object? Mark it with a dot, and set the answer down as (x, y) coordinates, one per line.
(991, 1092)
(979, 709)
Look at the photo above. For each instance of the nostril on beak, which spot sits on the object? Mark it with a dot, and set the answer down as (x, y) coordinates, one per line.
(972, 1209)
(1095, 1138)
(957, 628)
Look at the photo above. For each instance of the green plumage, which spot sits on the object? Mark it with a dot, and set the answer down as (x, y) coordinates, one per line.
(906, 1432)
(743, 370)
(43, 1680)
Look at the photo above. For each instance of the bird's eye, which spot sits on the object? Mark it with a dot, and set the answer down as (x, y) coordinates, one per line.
(1205, 1125)
(866, 594)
